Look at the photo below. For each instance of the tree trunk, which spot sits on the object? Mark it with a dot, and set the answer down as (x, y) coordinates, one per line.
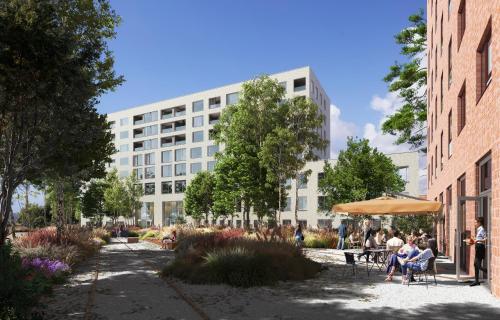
(27, 195)
(60, 209)
(13, 224)
(6, 195)
(278, 223)
(296, 200)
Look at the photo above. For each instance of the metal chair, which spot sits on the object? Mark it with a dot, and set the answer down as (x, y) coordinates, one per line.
(431, 270)
(349, 260)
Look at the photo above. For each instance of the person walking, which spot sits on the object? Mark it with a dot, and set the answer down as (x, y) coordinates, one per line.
(342, 235)
(298, 235)
(480, 247)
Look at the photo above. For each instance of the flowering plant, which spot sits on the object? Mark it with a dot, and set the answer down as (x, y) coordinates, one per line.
(48, 267)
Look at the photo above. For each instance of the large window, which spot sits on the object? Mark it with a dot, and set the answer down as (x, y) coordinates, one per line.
(232, 98)
(123, 122)
(211, 165)
(180, 186)
(450, 134)
(450, 65)
(195, 167)
(166, 187)
(197, 136)
(180, 154)
(214, 102)
(441, 152)
(124, 161)
(137, 160)
(299, 84)
(462, 110)
(172, 212)
(322, 203)
(196, 153)
(302, 181)
(149, 172)
(485, 174)
(166, 156)
(149, 159)
(197, 121)
(484, 62)
(124, 148)
(288, 206)
(211, 150)
(139, 173)
(302, 203)
(461, 22)
(180, 169)
(166, 170)
(198, 106)
(124, 135)
(403, 173)
(149, 188)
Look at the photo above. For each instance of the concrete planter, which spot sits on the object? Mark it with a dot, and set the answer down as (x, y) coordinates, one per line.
(132, 239)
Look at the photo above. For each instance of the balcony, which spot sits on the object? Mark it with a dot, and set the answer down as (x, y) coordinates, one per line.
(167, 142)
(138, 133)
(180, 140)
(213, 118)
(138, 120)
(214, 103)
(180, 111)
(167, 114)
(167, 128)
(299, 84)
(139, 146)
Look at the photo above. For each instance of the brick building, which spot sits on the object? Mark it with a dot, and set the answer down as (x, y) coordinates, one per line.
(463, 159)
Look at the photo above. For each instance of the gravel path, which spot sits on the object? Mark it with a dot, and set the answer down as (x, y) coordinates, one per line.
(129, 288)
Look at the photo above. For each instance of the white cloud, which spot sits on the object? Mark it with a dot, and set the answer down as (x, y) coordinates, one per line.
(339, 131)
(386, 105)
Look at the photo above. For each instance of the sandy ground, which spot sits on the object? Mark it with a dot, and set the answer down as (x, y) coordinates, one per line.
(128, 288)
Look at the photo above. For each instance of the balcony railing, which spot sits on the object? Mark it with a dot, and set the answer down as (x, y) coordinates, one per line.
(214, 106)
(167, 115)
(180, 113)
(180, 128)
(167, 130)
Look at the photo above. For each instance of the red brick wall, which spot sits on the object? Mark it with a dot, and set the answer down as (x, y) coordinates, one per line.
(481, 134)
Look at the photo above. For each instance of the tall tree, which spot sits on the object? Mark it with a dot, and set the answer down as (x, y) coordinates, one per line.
(199, 196)
(133, 193)
(409, 81)
(54, 65)
(92, 201)
(115, 197)
(361, 173)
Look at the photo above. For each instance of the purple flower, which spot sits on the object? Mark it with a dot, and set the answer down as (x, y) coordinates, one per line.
(46, 266)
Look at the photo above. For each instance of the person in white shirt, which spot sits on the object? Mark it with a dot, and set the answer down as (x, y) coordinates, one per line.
(370, 243)
(395, 241)
(480, 247)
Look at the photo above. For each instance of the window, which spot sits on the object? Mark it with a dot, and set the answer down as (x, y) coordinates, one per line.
(196, 153)
(124, 148)
(166, 156)
(180, 169)
(180, 186)
(461, 191)
(123, 174)
(485, 174)
(138, 172)
(461, 107)
(146, 117)
(149, 159)
(450, 77)
(302, 203)
(441, 94)
(441, 43)
(450, 134)
(461, 22)
(435, 161)
(195, 167)
(149, 172)
(214, 103)
(403, 173)
(449, 9)
(303, 223)
(172, 212)
(299, 84)
(166, 170)
(197, 136)
(211, 165)
(321, 176)
(124, 135)
(288, 206)
(137, 160)
(180, 154)
(149, 188)
(123, 122)
(484, 62)
(287, 222)
(211, 150)
(166, 187)
(232, 98)
(198, 106)
(322, 203)
(124, 161)
(301, 181)
(441, 152)
(197, 121)
(324, 223)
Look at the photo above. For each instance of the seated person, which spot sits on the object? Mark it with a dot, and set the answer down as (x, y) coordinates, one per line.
(353, 238)
(395, 241)
(168, 240)
(380, 238)
(369, 244)
(409, 250)
(420, 262)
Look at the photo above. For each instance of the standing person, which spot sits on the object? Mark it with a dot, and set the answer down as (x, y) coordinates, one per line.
(369, 244)
(342, 235)
(479, 242)
(366, 229)
(298, 235)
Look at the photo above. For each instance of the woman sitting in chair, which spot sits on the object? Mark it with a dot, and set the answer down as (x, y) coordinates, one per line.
(419, 262)
(168, 240)
(409, 251)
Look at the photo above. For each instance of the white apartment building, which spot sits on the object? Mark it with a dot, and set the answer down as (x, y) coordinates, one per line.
(167, 142)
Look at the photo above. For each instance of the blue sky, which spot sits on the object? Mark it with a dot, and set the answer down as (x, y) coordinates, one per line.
(166, 49)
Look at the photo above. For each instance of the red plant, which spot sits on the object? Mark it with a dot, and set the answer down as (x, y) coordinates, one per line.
(228, 234)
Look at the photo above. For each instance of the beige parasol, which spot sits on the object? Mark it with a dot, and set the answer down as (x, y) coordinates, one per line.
(389, 206)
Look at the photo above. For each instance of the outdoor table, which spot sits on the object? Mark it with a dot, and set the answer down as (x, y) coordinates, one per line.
(376, 255)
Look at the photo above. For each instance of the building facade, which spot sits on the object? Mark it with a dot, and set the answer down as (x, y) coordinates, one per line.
(463, 116)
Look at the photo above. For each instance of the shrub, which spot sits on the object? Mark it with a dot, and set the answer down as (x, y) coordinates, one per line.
(68, 254)
(102, 233)
(320, 239)
(132, 233)
(150, 234)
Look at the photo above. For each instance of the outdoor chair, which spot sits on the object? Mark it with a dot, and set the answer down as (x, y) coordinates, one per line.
(349, 261)
(431, 270)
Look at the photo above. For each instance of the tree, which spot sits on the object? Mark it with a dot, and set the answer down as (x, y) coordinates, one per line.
(409, 81)
(133, 193)
(34, 216)
(199, 196)
(55, 63)
(92, 201)
(115, 198)
(407, 224)
(361, 173)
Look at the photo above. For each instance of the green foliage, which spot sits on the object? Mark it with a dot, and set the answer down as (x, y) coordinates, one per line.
(18, 294)
(198, 198)
(321, 239)
(133, 193)
(407, 224)
(92, 201)
(361, 173)
(35, 216)
(409, 80)
(114, 196)
(150, 234)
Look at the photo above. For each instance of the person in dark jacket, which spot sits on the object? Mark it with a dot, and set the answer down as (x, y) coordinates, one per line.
(342, 235)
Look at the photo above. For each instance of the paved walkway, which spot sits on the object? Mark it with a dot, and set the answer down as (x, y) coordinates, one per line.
(127, 287)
